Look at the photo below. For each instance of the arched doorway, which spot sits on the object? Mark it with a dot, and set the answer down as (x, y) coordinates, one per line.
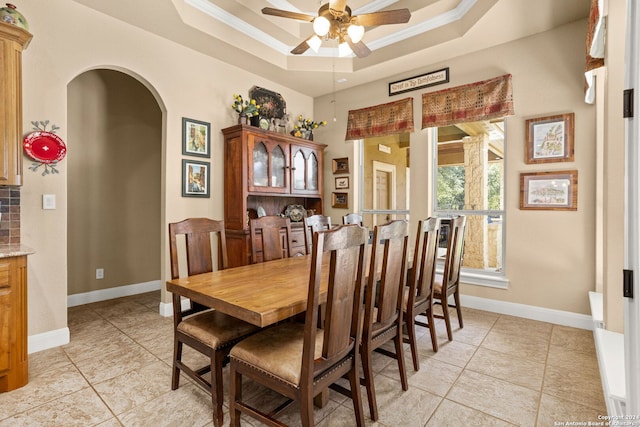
(114, 186)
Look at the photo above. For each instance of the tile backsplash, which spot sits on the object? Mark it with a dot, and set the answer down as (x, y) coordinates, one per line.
(10, 210)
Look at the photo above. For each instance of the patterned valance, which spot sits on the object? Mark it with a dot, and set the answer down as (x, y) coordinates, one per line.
(381, 120)
(483, 100)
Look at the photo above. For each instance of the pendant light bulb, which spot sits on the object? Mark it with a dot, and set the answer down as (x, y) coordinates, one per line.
(356, 32)
(344, 49)
(321, 26)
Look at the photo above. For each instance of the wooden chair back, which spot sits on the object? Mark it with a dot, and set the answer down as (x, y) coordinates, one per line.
(383, 314)
(198, 243)
(455, 253)
(312, 224)
(352, 218)
(346, 277)
(419, 299)
(267, 234)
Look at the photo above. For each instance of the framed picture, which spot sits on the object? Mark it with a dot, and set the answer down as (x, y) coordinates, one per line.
(342, 183)
(549, 190)
(341, 165)
(195, 178)
(340, 200)
(196, 138)
(550, 139)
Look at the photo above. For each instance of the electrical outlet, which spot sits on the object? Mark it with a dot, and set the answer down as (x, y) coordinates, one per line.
(99, 273)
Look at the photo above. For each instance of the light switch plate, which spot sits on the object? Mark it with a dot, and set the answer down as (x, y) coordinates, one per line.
(48, 201)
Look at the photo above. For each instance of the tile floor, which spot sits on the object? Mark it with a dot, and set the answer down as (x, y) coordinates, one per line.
(498, 371)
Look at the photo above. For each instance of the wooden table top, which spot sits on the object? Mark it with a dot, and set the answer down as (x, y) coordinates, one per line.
(261, 294)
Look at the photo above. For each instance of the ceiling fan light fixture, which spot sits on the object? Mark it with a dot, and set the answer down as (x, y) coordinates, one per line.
(344, 49)
(314, 43)
(321, 26)
(356, 32)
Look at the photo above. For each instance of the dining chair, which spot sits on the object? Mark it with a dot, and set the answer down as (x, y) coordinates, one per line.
(210, 332)
(312, 224)
(384, 293)
(352, 218)
(448, 283)
(267, 239)
(299, 360)
(418, 296)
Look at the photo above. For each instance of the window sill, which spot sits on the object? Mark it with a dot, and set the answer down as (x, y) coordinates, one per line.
(479, 279)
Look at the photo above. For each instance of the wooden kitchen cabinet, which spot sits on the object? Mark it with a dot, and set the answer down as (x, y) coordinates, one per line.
(13, 40)
(271, 171)
(14, 370)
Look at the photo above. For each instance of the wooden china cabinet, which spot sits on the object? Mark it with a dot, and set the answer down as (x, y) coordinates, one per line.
(13, 40)
(267, 171)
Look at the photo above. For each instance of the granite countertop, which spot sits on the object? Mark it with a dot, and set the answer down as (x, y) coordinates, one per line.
(7, 251)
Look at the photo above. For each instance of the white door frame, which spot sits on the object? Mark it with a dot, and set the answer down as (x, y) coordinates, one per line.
(632, 212)
(391, 169)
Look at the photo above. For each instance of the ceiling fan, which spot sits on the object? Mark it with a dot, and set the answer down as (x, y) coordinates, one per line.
(335, 22)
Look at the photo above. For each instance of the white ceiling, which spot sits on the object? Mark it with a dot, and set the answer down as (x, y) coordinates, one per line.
(236, 32)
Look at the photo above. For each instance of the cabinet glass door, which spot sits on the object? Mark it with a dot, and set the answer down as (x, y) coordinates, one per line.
(278, 163)
(260, 165)
(312, 172)
(299, 169)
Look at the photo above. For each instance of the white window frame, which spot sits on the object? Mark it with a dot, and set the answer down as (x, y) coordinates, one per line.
(472, 276)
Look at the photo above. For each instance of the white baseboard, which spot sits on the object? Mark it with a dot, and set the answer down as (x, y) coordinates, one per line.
(110, 293)
(558, 317)
(46, 340)
(166, 308)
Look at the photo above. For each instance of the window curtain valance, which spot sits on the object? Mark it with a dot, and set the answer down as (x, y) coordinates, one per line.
(381, 120)
(483, 100)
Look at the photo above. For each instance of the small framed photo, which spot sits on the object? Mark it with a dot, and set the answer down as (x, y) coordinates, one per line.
(342, 183)
(550, 139)
(340, 200)
(195, 178)
(196, 138)
(549, 190)
(341, 165)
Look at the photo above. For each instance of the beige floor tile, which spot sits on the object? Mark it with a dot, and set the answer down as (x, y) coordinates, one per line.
(186, 406)
(498, 398)
(82, 408)
(135, 388)
(91, 346)
(80, 314)
(91, 328)
(41, 390)
(452, 414)
(554, 411)
(42, 362)
(532, 347)
(520, 371)
(575, 385)
(434, 376)
(562, 357)
(109, 365)
(573, 339)
(517, 325)
(454, 352)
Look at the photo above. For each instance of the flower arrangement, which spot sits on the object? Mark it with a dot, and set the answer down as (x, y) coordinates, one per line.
(306, 125)
(247, 108)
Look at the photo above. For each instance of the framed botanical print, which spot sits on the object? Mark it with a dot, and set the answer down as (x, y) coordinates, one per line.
(196, 138)
(340, 200)
(549, 190)
(341, 165)
(550, 139)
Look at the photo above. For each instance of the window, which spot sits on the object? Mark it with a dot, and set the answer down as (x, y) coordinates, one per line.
(385, 179)
(468, 165)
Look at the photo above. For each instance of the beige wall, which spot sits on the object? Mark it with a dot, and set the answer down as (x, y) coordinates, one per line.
(114, 174)
(549, 255)
(69, 39)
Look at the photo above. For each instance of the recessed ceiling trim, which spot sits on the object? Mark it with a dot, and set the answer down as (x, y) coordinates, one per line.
(230, 20)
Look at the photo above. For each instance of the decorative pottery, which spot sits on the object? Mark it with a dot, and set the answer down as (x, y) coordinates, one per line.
(10, 15)
(255, 121)
(243, 119)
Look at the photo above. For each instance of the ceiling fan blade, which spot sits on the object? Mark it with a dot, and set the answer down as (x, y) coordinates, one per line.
(301, 48)
(338, 5)
(287, 14)
(398, 16)
(360, 49)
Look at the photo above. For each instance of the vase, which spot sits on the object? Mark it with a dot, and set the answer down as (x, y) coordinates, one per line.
(243, 119)
(310, 135)
(255, 121)
(10, 15)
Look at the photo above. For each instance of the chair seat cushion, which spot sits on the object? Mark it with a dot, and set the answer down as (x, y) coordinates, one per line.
(437, 285)
(215, 329)
(277, 350)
